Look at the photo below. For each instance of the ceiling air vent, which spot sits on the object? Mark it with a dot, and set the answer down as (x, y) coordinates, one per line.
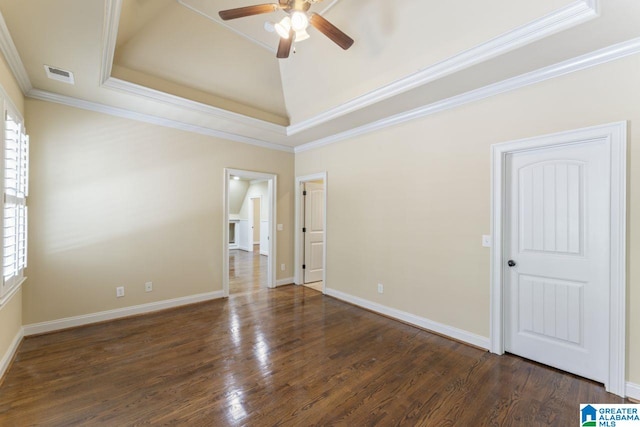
(59, 74)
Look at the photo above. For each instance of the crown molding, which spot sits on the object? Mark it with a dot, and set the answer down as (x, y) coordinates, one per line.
(566, 17)
(112, 9)
(12, 56)
(147, 118)
(598, 57)
(177, 101)
(573, 14)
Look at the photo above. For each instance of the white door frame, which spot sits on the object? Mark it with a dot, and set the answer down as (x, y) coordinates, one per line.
(299, 240)
(251, 221)
(616, 135)
(272, 180)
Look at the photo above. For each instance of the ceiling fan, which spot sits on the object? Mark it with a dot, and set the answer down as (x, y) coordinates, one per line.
(294, 26)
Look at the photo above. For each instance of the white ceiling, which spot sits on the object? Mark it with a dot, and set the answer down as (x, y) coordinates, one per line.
(251, 27)
(173, 62)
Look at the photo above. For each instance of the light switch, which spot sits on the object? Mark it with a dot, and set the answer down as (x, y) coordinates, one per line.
(486, 241)
(280, 227)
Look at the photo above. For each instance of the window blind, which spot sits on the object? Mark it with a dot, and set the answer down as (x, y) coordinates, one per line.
(16, 184)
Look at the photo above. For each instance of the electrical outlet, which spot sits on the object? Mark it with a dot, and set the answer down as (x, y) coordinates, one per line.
(380, 288)
(119, 291)
(280, 227)
(486, 241)
(282, 267)
(148, 287)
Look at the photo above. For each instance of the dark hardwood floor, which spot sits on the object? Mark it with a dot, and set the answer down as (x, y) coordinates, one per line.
(289, 356)
(247, 270)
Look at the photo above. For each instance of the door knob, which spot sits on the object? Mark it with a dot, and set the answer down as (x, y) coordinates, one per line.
(511, 263)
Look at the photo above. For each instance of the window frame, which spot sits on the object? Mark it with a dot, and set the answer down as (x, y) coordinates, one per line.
(9, 286)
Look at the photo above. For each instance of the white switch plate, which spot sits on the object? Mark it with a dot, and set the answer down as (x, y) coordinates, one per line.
(380, 288)
(119, 291)
(280, 227)
(486, 241)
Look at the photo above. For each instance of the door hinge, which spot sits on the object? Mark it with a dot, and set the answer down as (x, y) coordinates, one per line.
(304, 193)
(304, 266)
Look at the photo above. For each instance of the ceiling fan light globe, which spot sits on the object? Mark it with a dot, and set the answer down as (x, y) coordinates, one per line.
(299, 21)
(301, 35)
(283, 27)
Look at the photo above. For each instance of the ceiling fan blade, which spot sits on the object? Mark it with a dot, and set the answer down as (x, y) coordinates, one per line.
(331, 31)
(284, 48)
(241, 12)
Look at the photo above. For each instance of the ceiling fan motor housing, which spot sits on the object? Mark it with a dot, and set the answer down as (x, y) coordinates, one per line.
(301, 5)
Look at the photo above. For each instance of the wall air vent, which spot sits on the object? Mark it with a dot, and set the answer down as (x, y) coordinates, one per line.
(59, 74)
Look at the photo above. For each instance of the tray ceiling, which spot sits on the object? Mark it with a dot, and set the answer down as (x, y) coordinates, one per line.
(174, 62)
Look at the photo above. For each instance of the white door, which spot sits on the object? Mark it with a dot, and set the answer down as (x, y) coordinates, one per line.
(557, 234)
(314, 232)
(255, 224)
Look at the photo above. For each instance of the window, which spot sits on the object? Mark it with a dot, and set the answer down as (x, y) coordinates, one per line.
(14, 220)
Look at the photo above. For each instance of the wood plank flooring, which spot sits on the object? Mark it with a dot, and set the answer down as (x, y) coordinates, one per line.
(288, 356)
(247, 270)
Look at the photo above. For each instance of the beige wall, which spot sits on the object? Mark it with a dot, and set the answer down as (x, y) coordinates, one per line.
(407, 205)
(256, 189)
(237, 192)
(11, 311)
(11, 321)
(116, 202)
(10, 85)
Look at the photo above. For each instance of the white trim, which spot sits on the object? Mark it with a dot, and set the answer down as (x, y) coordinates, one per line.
(559, 20)
(421, 322)
(592, 59)
(87, 319)
(573, 14)
(12, 56)
(6, 360)
(272, 208)
(633, 391)
(112, 9)
(285, 281)
(178, 101)
(147, 118)
(298, 241)
(616, 134)
(252, 225)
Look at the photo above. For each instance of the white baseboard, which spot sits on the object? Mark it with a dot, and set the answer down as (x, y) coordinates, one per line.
(285, 281)
(245, 248)
(265, 253)
(449, 331)
(633, 391)
(86, 319)
(11, 351)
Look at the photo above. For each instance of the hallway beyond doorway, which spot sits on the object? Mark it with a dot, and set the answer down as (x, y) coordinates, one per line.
(247, 271)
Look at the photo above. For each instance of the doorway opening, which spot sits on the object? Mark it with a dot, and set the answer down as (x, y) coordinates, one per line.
(249, 250)
(310, 235)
